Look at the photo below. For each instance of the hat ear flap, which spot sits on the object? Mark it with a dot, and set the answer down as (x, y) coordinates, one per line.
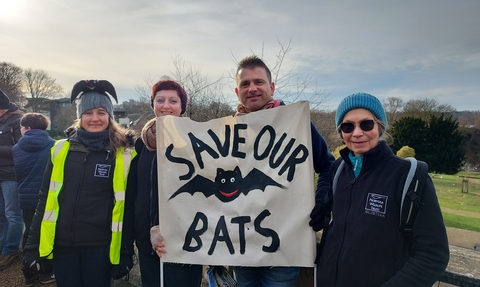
(108, 87)
(77, 89)
(101, 86)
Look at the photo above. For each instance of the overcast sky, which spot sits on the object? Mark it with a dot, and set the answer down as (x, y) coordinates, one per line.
(409, 48)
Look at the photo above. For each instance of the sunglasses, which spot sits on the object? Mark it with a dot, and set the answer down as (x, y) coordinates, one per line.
(366, 126)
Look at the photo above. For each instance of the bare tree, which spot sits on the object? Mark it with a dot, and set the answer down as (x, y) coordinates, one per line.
(11, 79)
(424, 108)
(289, 86)
(393, 107)
(201, 90)
(325, 123)
(41, 88)
(205, 96)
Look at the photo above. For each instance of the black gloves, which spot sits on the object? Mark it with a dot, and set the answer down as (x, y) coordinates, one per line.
(123, 268)
(317, 216)
(31, 264)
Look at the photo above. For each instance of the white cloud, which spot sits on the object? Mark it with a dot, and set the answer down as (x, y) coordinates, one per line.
(408, 48)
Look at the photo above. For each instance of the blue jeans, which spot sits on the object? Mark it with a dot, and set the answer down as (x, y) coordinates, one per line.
(87, 266)
(266, 276)
(11, 221)
(184, 275)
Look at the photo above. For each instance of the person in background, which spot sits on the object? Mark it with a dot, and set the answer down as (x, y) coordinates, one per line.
(11, 222)
(30, 156)
(364, 246)
(79, 216)
(141, 211)
(255, 92)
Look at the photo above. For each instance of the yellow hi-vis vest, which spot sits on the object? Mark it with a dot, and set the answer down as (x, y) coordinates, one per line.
(58, 154)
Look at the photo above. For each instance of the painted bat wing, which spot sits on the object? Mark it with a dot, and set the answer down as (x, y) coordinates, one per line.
(256, 179)
(197, 184)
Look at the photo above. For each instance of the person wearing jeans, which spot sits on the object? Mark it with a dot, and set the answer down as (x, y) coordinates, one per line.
(11, 221)
(255, 90)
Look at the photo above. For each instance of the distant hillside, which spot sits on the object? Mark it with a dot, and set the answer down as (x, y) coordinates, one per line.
(468, 118)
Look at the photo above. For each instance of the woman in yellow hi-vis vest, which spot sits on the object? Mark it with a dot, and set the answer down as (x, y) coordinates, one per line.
(79, 218)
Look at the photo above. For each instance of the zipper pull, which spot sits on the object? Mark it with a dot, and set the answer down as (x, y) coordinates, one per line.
(108, 155)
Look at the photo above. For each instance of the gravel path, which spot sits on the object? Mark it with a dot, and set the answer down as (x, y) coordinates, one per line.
(13, 276)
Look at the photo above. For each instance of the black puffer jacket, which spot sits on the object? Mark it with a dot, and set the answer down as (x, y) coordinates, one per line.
(31, 155)
(9, 136)
(364, 245)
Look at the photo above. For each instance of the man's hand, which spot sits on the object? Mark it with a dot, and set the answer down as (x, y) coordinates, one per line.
(317, 216)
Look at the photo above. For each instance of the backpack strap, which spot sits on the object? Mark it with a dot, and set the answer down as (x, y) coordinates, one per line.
(408, 181)
(411, 198)
(338, 171)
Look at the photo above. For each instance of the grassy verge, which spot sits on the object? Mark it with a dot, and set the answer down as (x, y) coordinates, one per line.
(461, 222)
(450, 195)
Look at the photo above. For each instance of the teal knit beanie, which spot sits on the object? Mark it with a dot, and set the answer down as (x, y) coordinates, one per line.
(363, 101)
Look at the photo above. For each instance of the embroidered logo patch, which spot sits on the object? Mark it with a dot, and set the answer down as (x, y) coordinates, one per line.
(102, 170)
(376, 204)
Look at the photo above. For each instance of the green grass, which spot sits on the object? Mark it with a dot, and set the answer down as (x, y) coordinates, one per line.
(461, 222)
(450, 195)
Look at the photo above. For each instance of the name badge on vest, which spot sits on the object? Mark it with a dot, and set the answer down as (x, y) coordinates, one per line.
(376, 204)
(102, 170)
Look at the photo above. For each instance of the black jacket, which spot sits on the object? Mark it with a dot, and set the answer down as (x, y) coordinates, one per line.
(364, 245)
(141, 202)
(31, 154)
(9, 136)
(86, 199)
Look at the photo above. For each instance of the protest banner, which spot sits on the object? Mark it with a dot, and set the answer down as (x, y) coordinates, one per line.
(237, 191)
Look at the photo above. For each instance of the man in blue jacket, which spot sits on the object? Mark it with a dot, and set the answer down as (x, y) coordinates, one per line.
(255, 92)
(31, 155)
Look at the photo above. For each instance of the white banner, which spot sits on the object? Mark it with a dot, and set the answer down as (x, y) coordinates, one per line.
(237, 191)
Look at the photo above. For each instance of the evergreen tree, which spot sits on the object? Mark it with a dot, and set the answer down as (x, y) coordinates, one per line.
(412, 132)
(445, 149)
(438, 142)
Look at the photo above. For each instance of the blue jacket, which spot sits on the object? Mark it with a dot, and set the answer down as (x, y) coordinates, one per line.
(30, 156)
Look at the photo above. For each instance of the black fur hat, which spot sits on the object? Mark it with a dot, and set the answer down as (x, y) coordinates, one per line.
(93, 94)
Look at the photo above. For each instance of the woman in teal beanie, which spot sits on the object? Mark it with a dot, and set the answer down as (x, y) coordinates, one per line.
(363, 244)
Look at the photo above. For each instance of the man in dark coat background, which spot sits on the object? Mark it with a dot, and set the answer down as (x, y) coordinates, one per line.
(11, 222)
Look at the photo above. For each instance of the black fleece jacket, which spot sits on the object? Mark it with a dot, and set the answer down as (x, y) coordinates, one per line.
(141, 202)
(364, 245)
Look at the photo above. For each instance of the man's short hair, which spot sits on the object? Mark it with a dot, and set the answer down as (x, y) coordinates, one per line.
(35, 121)
(252, 62)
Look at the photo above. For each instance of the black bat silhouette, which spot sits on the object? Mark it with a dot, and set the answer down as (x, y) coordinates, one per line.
(228, 185)
(102, 87)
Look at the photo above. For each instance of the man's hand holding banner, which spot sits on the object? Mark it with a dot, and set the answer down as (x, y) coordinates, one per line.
(237, 191)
